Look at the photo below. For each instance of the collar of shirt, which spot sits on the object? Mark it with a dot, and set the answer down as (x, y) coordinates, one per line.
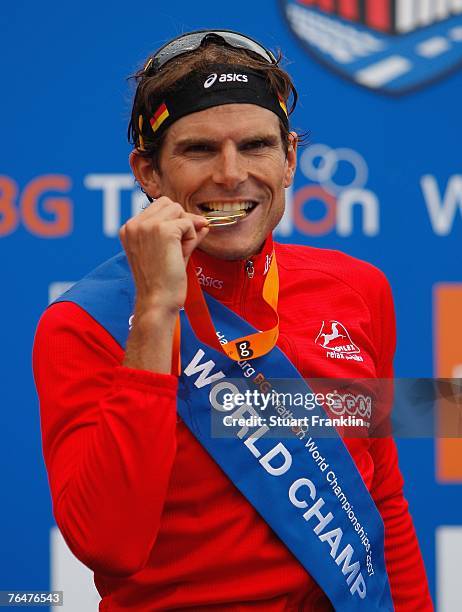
(232, 282)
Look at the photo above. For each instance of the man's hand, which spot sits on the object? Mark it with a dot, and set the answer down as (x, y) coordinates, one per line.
(158, 244)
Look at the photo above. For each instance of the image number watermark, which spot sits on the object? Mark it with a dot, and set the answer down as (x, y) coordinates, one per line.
(31, 598)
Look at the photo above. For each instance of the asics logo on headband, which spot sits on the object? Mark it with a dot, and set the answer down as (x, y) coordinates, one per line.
(210, 80)
(225, 78)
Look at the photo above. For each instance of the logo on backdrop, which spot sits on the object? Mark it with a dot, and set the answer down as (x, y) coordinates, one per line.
(335, 198)
(335, 338)
(391, 46)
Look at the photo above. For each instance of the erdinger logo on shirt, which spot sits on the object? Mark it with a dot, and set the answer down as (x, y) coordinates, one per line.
(389, 46)
(208, 281)
(230, 77)
(336, 340)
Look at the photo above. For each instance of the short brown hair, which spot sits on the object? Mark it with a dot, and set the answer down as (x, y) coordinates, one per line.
(152, 88)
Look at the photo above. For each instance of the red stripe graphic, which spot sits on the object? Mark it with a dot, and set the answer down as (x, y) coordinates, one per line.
(378, 15)
(327, 5)
(162, 108)
(348, 9)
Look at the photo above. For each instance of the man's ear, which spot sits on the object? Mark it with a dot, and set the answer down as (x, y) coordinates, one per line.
(145, 174)
(291, 159)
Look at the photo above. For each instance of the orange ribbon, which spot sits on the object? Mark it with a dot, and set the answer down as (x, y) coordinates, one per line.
(243, 348)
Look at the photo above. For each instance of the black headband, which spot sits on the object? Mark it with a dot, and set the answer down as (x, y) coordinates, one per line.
(219, 84)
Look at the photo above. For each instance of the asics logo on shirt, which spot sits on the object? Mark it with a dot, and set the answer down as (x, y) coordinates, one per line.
(208, 281)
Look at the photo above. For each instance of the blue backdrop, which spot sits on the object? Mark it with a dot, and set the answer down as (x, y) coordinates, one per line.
(382, 182)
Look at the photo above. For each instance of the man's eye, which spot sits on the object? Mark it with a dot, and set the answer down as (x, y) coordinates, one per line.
(198, 148)
(255, 145)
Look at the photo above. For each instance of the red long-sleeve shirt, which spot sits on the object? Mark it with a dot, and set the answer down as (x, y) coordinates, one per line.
(139, 500)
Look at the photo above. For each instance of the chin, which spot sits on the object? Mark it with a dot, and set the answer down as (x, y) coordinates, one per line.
(229, 247)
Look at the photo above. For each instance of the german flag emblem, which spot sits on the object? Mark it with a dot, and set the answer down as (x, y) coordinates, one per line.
(282, 104)
(159, 117)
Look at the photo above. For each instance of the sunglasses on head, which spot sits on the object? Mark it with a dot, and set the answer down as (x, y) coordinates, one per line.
(193, 40)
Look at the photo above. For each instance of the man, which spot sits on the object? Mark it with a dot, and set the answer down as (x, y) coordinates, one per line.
(168, 516)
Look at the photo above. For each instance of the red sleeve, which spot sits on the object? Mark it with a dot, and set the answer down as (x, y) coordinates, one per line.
(404, 563)
(108, 440)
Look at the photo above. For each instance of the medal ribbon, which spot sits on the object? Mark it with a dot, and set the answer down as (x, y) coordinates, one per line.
(246, 347)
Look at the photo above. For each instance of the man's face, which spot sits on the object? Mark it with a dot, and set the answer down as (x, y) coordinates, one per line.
(226, 157)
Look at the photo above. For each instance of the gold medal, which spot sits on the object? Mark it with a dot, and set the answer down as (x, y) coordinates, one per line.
(222, 217)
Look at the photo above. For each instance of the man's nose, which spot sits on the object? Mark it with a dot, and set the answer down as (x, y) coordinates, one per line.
(230, 167)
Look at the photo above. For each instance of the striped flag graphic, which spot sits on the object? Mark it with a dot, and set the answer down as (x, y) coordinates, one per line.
(389, 16)
(159, 117)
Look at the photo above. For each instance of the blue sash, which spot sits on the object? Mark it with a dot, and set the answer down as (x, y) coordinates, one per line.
(309, 491)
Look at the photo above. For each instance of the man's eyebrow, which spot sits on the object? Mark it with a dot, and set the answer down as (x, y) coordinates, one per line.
(267, 138)
(184, 143)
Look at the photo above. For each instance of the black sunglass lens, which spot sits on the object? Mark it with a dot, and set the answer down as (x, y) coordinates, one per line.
(190, 42)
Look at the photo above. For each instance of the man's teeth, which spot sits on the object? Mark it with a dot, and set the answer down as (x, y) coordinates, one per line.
(227, 206)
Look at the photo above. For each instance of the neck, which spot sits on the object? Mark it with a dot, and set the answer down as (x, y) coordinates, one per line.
(226, 279)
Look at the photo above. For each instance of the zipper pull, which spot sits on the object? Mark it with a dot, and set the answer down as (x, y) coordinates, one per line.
(249, 268)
